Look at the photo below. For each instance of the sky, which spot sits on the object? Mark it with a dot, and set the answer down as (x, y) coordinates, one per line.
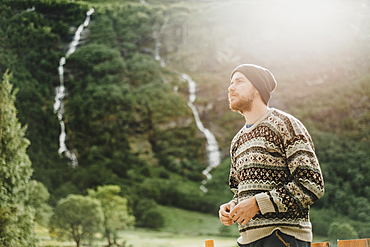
(286, 28)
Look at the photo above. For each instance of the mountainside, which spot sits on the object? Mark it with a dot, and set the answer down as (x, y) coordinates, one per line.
(321, 63)
(123, 119)
(126, 113)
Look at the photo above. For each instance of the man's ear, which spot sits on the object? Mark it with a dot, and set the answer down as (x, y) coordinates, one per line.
(259, 96)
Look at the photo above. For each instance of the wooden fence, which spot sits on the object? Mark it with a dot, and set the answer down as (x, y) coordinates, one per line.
(323, 244)
(365, 242)
(209, 243)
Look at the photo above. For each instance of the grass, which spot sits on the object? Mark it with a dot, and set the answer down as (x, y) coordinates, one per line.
(182, 228)
(142, 238)
(194, 223)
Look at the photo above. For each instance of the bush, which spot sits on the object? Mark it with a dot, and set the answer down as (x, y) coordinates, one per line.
(342, 231)
(140, 209)
(153, 219)
(321, 221)
(363, 230)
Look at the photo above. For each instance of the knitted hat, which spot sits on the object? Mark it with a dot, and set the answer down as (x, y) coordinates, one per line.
(261, 78)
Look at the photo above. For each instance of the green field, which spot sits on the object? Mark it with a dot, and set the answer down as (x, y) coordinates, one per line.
(143, 238)
(182, 228)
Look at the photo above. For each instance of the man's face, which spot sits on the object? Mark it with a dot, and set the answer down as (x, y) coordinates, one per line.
(241, 93)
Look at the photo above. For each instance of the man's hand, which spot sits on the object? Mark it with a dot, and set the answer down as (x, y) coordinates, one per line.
(224, 213)
(244, 211)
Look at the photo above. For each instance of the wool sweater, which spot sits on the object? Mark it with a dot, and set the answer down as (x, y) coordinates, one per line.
(275, 161)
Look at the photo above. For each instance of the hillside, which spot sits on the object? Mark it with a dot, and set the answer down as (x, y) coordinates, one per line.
(126, 114)
(124, 122)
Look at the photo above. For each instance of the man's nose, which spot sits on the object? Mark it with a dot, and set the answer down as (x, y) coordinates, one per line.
(231, 88)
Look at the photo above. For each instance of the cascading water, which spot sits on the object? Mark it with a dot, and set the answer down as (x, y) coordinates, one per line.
(157, 41)
(213, 151)
(60, 92)
(144, 2)
(31, 9)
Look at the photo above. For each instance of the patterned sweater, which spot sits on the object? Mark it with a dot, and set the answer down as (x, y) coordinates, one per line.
(275, 161)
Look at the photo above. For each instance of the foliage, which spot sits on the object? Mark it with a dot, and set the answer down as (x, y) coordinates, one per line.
(116, 213)
(321, 220)
(116, 90)
(76, 218)
(363, 229)
(38, 197)
(181, 221)
(152, 218)
(129, 34)
(141, 206)
(15, 172)
(31, 46)
(131, 129)
(121, 98)
(342, 149)
(342, 231)
(177, 191)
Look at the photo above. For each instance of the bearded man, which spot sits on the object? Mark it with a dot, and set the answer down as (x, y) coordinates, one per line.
(274, 174)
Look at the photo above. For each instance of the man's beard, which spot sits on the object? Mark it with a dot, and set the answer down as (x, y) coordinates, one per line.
(243, 104)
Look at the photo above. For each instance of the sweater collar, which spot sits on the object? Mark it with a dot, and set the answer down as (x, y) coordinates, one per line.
(251, 127)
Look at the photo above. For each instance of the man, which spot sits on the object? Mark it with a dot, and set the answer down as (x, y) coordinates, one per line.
(274, 172)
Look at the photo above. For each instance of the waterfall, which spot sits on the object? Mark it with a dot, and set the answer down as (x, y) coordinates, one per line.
(31, 9)
(213, 151)
(157, 41)
(60, 92)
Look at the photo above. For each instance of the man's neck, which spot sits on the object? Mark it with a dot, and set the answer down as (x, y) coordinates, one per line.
(257, 111)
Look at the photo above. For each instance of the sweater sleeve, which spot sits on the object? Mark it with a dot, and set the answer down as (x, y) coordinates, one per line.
(306, 184)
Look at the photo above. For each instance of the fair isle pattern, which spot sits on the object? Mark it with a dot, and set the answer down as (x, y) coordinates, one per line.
(275, 161)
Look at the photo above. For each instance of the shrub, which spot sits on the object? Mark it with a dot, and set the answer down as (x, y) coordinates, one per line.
(153, 219)
(342, 231)
(321, 221)
(364, 230)
(140, 209)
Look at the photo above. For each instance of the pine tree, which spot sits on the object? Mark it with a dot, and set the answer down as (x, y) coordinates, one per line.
(16, 217)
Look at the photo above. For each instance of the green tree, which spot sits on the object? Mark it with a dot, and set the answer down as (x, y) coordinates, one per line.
(30, 47)
(16, 217)
(76, 217)
(39, 195)
(116, 213)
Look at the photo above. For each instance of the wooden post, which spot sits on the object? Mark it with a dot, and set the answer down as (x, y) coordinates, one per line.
(365, 242)
(210, 243)
(322, 244)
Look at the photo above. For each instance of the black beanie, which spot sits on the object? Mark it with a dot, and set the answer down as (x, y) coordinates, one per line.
(261, 78)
